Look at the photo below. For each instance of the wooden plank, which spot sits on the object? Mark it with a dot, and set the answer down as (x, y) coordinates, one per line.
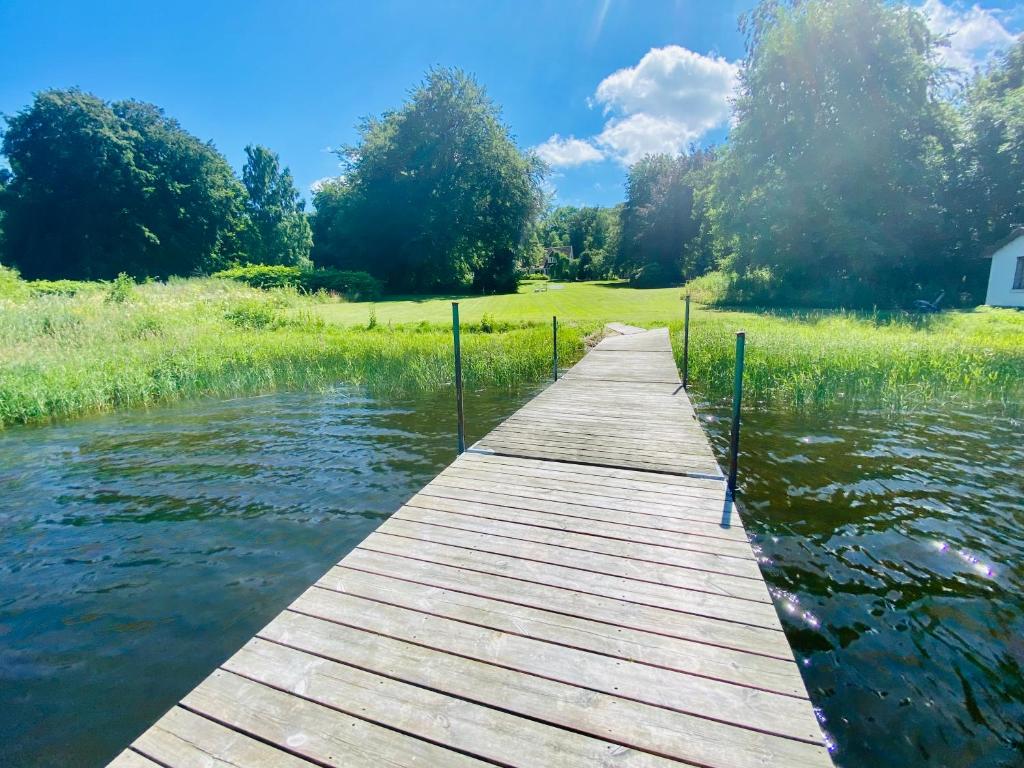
(324, 735)
(588, 634)
(466, 726)
(707, 606)
(615, 565)
(183, 739)
(634, 725)
(453, 574)
(130, 759)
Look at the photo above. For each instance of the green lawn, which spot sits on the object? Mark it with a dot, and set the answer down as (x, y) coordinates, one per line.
(598, 302)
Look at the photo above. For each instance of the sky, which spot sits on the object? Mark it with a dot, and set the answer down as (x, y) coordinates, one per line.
(591, 85)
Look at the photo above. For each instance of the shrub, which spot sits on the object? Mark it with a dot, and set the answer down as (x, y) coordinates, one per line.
(535, 276)
(11, 284)
(264, 275)
(121, 290)
(253, 314)
(60, 287)
(351, 284)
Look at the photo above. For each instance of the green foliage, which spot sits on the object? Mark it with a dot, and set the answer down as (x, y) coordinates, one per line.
(69, 355)
(834, 170)
(660, 220)
(836, 360)
(988, 191)
(436, 196)
(276, 231)
(252, 313)
(60, 287)
(133, 191)
(11, 284)
(122, 289)
(356, 286)
(593, 234)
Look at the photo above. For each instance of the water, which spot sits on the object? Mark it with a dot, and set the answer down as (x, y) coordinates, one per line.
(140, 550)
(895, 552)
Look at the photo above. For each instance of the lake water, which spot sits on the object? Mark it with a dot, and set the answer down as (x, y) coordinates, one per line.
(139, 550)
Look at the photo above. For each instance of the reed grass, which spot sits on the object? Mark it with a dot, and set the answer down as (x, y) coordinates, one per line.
(837, 360)
(62, 356)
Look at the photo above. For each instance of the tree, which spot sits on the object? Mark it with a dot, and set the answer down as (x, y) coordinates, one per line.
(277, 230)
(833, 176)
(436, 195)
(102, 188)
(659, 220)
(991, 190)
(592, 233)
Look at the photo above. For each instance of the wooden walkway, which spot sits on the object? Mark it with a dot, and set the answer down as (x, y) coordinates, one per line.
(573, 591)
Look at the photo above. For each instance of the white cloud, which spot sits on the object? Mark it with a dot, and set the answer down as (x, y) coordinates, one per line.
(567, 152)
(318, 184)
(672, 97)
(975, 33)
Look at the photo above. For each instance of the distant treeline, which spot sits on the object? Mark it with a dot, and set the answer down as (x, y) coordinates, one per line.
(857, 171)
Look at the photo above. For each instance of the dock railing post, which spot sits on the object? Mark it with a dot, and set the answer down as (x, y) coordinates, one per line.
(554, 346)
(458, 378)
(737, 397)
(686, 344)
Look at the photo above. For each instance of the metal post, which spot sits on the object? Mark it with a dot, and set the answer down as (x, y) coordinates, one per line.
(737, 396)
(458, 377)
(554, 345)
(686, 345)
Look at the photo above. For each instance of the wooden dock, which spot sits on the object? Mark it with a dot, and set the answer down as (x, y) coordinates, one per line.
(573, 591)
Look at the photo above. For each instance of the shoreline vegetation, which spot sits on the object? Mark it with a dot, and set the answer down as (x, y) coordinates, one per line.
(84, 348)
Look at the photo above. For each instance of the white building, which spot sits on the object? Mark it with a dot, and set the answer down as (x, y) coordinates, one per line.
(1006, 278)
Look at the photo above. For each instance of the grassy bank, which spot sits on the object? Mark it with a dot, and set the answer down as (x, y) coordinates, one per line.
(836, 360)
(69, 350)
(65, 355)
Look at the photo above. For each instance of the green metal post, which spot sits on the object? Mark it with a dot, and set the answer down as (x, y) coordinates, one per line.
(554, 345)
(686, 345)
(458, 378)
(737, 397)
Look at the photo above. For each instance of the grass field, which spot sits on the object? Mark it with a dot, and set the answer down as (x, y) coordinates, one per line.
(535, 302)
(106, 347)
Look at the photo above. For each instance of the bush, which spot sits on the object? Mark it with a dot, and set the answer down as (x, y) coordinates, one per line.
(535, 276)
(356, 286)
(11, 284)
(59, 287)
(121, 290)
(264, 275)
(253, 314)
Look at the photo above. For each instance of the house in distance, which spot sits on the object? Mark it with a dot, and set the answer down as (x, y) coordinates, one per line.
(1006, 276)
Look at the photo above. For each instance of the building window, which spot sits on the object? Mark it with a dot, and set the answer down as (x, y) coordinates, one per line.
(1018, 276)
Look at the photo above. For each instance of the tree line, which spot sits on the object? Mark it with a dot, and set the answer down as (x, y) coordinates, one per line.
(857, 171)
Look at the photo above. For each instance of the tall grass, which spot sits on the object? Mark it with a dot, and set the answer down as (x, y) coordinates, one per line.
(62, 356)
(836, 359)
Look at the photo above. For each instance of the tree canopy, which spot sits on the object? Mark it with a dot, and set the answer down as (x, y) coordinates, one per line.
(277, 231)
(659, 220)
(99, 188)
(435, 196)
(593, 234)
(833, 174)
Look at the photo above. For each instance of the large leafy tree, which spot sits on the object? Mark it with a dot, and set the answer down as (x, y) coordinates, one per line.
(991, 191)
(277, 230)
(833, 175)
(660, 222)
(435, 196)
(102, 188)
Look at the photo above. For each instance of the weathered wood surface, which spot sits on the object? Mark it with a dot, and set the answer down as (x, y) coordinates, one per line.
(573, 591)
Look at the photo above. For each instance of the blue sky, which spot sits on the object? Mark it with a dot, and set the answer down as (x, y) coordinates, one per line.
(592, 84)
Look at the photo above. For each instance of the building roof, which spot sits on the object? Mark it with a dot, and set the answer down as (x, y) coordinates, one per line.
(1015, 232)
